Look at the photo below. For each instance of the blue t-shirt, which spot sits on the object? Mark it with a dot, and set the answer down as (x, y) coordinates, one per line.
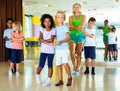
(61, 35)
(7, 33)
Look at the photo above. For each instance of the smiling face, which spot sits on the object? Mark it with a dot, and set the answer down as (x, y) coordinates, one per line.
(47, 23)
(91, 24)
(60, 17)
(76, 8)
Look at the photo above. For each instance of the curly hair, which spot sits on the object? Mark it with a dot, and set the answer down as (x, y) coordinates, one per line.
(44, 16)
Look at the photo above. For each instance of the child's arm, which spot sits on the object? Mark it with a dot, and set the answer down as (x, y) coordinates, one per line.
(78, 27)
(48, 42)
(64, 40)
(17, 39)
(87, 34)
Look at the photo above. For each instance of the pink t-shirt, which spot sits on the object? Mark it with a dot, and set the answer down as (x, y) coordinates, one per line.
(47, 35)
(15, 44)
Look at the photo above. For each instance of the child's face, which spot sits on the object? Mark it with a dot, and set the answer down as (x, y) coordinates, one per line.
(14, 27)
(60, 18)
(9, 24)
(76, 8)
(91, 24)
(47, 23)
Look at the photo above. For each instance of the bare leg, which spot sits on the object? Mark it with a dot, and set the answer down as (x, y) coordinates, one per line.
(87, 62)
(11, 66)
(17, 67)
(59, 68)
(67, 68)
(93, 62)
(79, 53)
(72, 54)
(106, 49)
(39, 69)
(50, 72)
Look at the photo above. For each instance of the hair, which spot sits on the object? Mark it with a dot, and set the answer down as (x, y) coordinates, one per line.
(92, 19)
(76, 4)
(61, 12)
(106, 21)
(18, 26)
(113, 29)
(44, 16)
(10, 19)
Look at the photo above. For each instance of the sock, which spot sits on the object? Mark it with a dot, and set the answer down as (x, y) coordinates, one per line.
(87, 68)
(48, 79)
(93, 68)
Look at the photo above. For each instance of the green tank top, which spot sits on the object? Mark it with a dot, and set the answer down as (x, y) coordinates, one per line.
(76, 22)
(105, 30)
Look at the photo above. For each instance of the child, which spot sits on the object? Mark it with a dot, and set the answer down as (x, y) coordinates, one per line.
(106, 30)
(62, 50)
(17, 46)
(112, 41)
(89, 46)
(7, 37)
(46, 37)
(77, 38)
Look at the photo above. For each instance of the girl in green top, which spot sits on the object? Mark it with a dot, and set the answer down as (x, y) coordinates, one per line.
(106, 30)
(77, 37)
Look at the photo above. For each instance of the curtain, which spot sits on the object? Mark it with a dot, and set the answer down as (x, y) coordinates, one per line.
(8, 9)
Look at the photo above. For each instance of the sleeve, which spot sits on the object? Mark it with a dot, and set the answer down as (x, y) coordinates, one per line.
(5, 34)
(53, 32)
(66, 29)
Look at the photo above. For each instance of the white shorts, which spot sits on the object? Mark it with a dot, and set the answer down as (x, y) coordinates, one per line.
(62, 56)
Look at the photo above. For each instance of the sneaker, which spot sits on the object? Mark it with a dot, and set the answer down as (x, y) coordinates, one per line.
(69, 82)
(86, 72)
(10, 73)
(46, 84)
(59, 83)
(77, 74)
(38, 79)
(17, 74)
(73, 72)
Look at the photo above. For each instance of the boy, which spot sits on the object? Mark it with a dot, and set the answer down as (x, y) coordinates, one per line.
(62, 50)
(89, 46)
(112, 41)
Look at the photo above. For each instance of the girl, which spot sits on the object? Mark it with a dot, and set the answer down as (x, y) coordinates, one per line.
(106, 30)
(77, 38)
(47, 35)
(17, 46)
(62, 50)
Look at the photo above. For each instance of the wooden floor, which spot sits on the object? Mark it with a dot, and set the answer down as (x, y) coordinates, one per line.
(107, 78)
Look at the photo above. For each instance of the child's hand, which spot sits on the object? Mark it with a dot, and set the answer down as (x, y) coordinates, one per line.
(58, 42)
(91, 35)
(52, 44)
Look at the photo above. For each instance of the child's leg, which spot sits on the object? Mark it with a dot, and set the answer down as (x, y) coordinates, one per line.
(106, 49)
(59, 69)
(50, 69)
(79, 53)
(87, 66)
(72, 53)
(67, 68)
(93, 66)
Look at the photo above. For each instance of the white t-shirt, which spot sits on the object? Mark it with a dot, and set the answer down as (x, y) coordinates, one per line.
(112, 38)
(7, 33)
(44, 47)
(90, 41)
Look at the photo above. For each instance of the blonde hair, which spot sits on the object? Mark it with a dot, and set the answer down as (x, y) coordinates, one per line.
(18, 25)
(76, 4)
(61, 12)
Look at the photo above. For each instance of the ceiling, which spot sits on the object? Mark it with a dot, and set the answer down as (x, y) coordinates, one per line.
(101, 9)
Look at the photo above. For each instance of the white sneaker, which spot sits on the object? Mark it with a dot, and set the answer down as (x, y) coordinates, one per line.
(10, 73)
(17, 74)
(38, 79)
(46, 84)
